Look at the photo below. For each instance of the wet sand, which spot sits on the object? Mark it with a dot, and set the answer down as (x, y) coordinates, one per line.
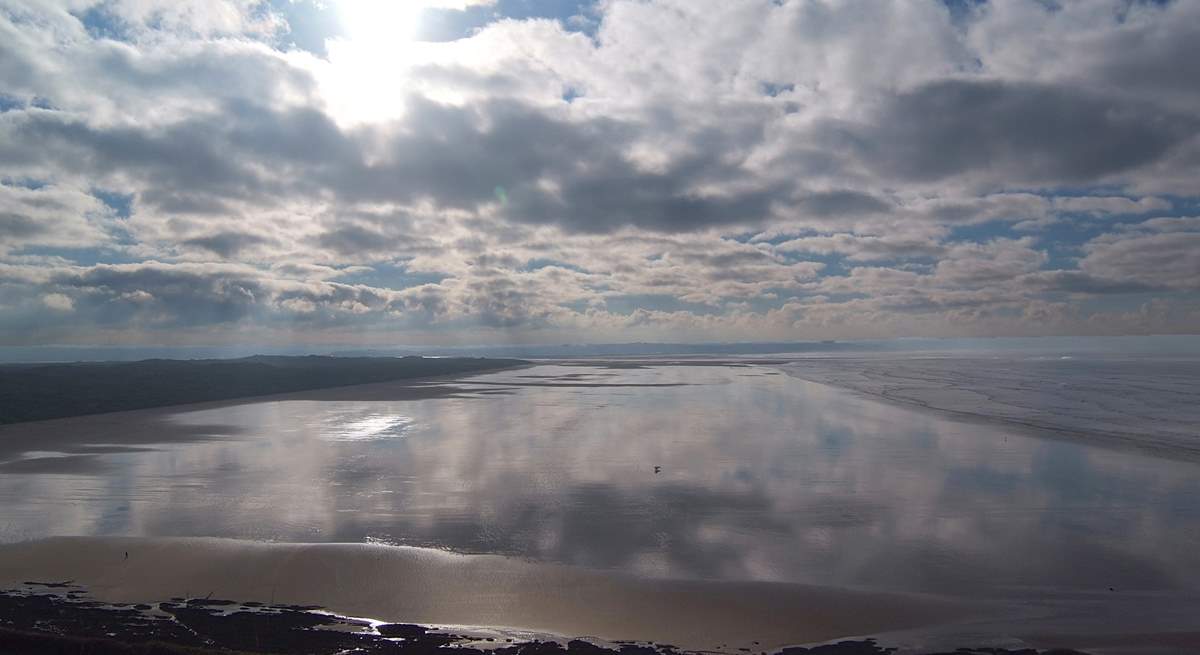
(75, 440)
(1147, 404)
(35, 392)
(1052, 544)
(436, 588)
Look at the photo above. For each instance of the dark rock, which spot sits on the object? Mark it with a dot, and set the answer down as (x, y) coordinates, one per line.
(401, 630)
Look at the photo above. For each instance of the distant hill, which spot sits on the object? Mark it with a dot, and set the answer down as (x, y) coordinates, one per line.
(33, 392)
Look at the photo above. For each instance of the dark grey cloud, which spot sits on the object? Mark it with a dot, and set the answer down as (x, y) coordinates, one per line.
(171, 295)
(186, 157)
(842, 202)
(577, 174)
(545, 170)
(457, 157)
(15, 226)
(1018, 132)
(1153, 59)
(164, 295)
(227, 244)
(354, 240)
(1078, 282)
(178, 201)
(371, 236)
(624, 196)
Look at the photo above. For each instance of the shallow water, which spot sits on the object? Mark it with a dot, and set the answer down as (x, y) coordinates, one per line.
(761, 476)
(1151, 403)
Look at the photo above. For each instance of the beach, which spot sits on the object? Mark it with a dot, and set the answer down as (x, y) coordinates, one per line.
(430, 587)
(710, 505)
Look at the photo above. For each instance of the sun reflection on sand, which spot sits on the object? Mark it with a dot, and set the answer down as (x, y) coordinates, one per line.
(369, 427)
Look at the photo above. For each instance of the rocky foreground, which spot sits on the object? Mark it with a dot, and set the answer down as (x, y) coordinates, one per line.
(58, 617)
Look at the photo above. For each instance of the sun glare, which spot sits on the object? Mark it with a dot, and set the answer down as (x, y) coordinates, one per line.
(367, 77)
(380, 22)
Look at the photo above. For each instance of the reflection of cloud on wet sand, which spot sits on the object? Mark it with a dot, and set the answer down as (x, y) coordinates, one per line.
(762, 477)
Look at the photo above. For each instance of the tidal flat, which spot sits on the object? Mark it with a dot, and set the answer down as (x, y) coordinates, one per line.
(708, 504)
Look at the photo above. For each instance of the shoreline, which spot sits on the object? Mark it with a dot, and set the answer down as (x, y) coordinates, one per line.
(64, 620)
(429, 587)
(71, 435)
(457, 603)
(79, 390)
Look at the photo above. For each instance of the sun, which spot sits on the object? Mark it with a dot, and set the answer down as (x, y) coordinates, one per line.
(366, 76)
(380, 23)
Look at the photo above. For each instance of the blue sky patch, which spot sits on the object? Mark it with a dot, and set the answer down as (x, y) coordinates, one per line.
(121, 203)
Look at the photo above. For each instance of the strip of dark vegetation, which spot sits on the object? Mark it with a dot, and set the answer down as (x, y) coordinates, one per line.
(33, 622)
(33, 392)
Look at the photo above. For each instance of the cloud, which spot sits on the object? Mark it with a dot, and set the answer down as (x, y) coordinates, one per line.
(51, 216)
(1079, 282)
(227, 244)
(698, 170)
(1011, 133)
(1163, 254)
(1104, 205)
(58, 302)
(840, 203)
(865, 248)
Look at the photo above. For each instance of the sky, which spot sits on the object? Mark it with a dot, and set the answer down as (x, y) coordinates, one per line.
(535, 171)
